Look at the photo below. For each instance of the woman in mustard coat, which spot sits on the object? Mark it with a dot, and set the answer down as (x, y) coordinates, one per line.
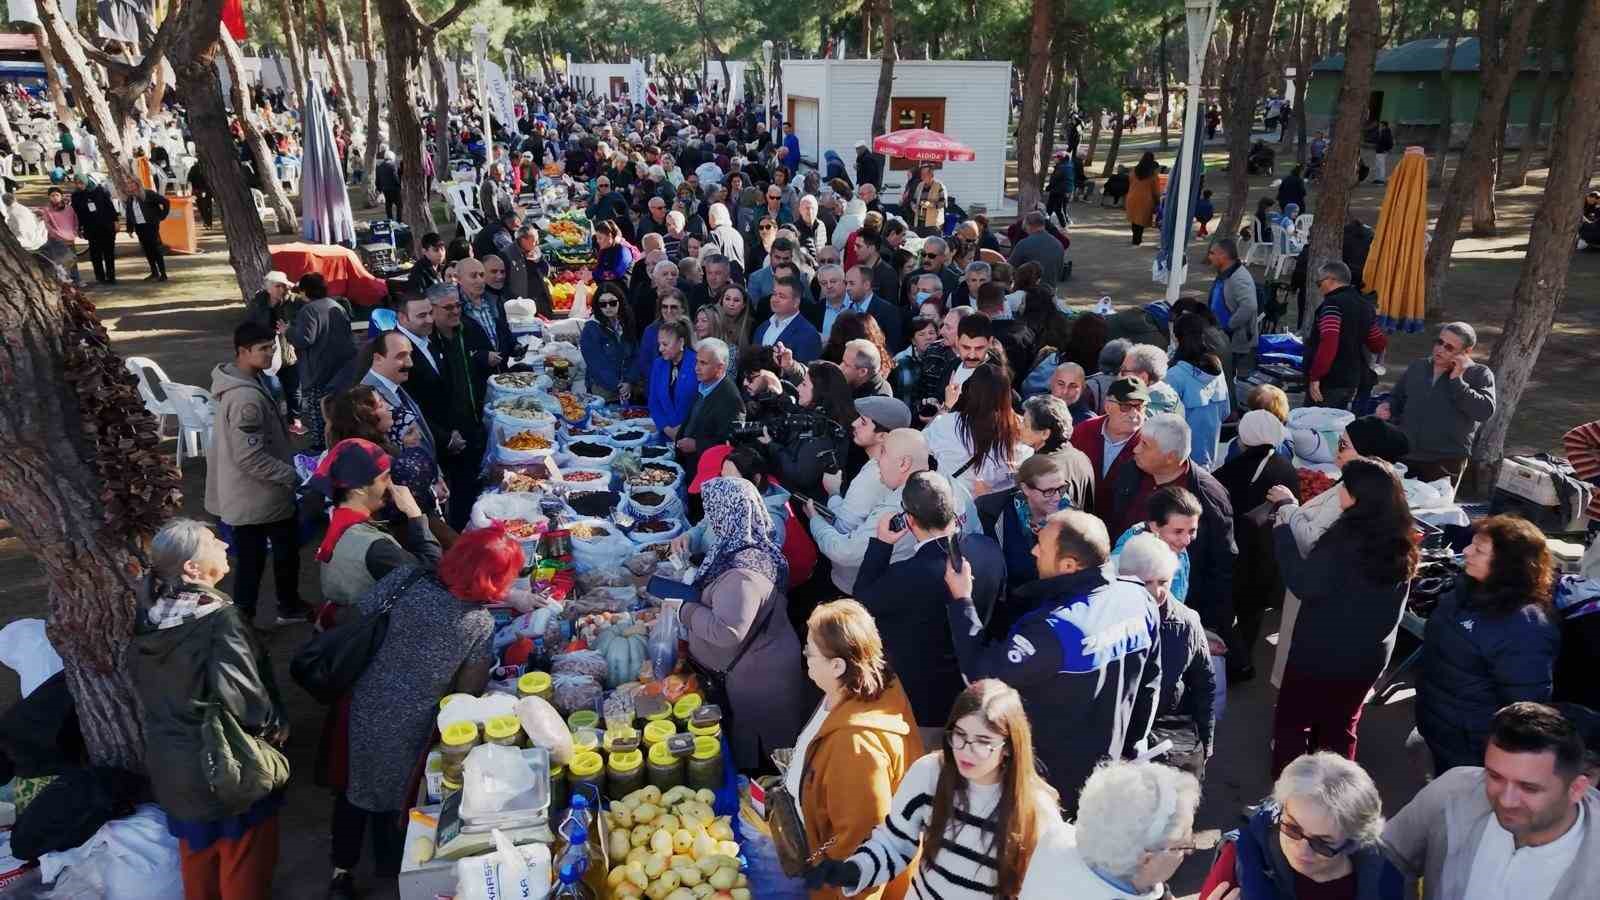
(1144, 192)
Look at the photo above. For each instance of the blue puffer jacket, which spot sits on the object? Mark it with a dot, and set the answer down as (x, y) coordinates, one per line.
(607, 355)
(1262, 872)
(1474, 662)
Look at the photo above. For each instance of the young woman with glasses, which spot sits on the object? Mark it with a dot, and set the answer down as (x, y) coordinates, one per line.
(1316, 836)
(975, 810)
(609, 344)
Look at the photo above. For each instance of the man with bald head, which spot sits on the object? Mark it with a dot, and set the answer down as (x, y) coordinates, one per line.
(472, 283)
(656, 221)
(1066, 385)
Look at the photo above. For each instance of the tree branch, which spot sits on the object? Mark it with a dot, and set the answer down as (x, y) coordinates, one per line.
(450, 16)
(139, 77)
(112, 63)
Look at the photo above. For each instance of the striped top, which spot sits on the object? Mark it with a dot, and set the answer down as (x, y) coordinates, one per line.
(963, 866)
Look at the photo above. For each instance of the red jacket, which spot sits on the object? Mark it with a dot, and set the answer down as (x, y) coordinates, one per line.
(1089, 436)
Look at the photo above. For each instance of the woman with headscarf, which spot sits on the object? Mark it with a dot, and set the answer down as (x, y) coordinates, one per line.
(738, 632)
(1257, 584)
(855, 216)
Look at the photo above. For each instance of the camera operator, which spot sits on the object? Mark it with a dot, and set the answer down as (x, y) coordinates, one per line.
(806, 435)
(974, 344)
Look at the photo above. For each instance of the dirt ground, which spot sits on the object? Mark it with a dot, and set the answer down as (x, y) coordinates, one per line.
(185, 325)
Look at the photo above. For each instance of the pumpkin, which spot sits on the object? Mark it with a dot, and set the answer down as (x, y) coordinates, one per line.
(624, 651)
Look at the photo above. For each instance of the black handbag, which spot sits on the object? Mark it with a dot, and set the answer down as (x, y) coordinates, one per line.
(329, 664)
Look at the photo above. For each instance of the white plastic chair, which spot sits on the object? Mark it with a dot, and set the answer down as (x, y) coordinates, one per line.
(150, 376)
(1302, 225)
(1258, 252)
(32, 156)
(263, 211)
(470, 222)
(461, 196)
(196, 414)
(1277, 245)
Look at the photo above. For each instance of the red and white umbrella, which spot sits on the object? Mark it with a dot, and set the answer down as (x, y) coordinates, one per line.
(922, 145)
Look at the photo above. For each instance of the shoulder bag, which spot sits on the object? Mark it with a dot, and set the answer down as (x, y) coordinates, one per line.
(714, 682)
(329, 664)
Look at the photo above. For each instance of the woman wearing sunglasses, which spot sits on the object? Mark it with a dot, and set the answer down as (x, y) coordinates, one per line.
(1316, 837)
(970, 814)
(608, 343)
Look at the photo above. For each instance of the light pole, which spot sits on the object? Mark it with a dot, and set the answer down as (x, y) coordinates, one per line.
(480, 56)
(1201, 18)
(766, 80)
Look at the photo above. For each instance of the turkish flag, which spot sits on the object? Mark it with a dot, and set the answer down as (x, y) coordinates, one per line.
(233, 18)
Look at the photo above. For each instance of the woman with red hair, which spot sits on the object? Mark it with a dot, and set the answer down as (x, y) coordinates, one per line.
(438, 643)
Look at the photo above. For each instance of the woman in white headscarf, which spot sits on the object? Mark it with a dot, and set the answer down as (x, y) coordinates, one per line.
(855, 214)
(1257, 585)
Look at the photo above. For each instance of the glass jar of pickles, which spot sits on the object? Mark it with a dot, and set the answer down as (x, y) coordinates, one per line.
(456, 741)
(705, 764)
(583, 718)
(536, 684)
(586, 776)
(706, 721)
(624, 773)
(504, 731)
(665, 768)
(657, 732)
(685, 708)
(558, 788)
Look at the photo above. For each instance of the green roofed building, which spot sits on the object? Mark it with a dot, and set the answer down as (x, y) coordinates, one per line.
(1406, 91)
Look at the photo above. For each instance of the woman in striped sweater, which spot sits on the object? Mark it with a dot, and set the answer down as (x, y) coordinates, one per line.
(974, 811)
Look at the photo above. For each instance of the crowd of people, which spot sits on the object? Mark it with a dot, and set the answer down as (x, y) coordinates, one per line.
(984, 562)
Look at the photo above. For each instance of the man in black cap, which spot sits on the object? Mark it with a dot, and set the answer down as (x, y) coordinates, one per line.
(1110, 439)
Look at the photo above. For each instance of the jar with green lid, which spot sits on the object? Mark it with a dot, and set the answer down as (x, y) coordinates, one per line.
(706, 721)
(583, 718)
(651, 709)
(618, 740)
(658, 731)
(558, 788)
(705, 764)
(685, 708)
(585, 739)
(502, 730)
(450, 788)
(586, 776)
(624, 773)
(456, 741)
(666, 769)
(536, 684)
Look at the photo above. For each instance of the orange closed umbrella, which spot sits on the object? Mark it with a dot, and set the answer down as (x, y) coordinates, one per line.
(1395, 262)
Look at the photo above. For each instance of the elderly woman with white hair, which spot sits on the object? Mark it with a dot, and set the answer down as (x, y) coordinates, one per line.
(1187, 701)
(855, 215)
(1135, 826)
(1316, 837)
(1148, 364)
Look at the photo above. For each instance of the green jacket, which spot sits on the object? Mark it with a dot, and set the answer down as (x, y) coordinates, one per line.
(178, 672)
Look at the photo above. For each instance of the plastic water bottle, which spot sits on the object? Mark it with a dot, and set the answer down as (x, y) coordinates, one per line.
(569, 884)
(579, 816)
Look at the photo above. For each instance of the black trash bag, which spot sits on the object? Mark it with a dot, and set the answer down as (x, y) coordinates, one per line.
(39, 734)
(73, 807)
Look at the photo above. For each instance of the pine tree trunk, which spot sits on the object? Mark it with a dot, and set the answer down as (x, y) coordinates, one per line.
(1531, 131)
(880, 105)
(1344, 147)
(345, 65)
(84, 482)
(58, 96)
(1496, 80)
(401, 50)
(106, 113)
(1039, 31)
(374, 106)
(1094, 139)
(289, 21)
(1447, 108)
(1116, 140)
(341, 85)
(441, 110)
(1542, 286)
(1166, 139)
(260, 154)
(1052, 111)
(200, 90)
(1247, 91)
(1483, 187)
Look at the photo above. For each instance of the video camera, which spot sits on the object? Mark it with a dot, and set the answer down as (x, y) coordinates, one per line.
(788, 424)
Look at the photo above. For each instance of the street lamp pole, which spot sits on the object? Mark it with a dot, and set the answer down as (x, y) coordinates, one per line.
(1200, 16)
(766, 66)
(480, 53)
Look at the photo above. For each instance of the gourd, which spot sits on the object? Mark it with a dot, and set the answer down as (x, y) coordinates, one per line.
(624, 652)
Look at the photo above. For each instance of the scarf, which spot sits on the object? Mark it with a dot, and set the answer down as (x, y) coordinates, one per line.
(185, 603)
(342, 519)
(742, 530)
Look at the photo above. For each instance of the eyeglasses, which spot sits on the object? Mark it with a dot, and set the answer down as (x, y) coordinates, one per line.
(1127, 406)
(1044, 492)
(449, 307)
(1320, 845)
(1181, 849)
(774, 196)
(980, 746)
(930, 256)
(603, 184)
(604, 303)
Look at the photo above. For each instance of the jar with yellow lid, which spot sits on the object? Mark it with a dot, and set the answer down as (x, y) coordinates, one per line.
(456, 741)
(503, 731)
(536, 684)
(583, 718)
(685, 708)
(586, 776)
(586, 739)
(706, 721)
(618, 740)
(448, 699)
(705, 764)
(665, 769)
(652, 709)
(449, 788)
(624, 773)
(658, 731)
(558, 788)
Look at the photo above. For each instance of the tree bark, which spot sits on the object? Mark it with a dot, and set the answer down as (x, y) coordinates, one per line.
(260, 154)
(1166, 66)
(1542, 286)
(341, 85)
(401, 50)
(374, 107)
(289, 21)
(1052, 112)
(1247, 91)
(1119, 115)
(1475, 158)
(345, 54)
(1483, 187)
(194, 61)
(880, 105)
(1039, 32)
(85, 483)
(441, 109)
(1547, 58)
(1344, 148)
(1447, 108)
(52, 78)
(1094, 139)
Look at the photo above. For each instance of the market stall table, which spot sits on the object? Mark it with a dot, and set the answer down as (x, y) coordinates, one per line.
(342, 268)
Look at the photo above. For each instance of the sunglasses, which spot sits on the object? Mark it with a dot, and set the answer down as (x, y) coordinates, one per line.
(768, 227)
(610, 303)
(673, 306)
(930, 256)
(449, 307)
(1319, 845)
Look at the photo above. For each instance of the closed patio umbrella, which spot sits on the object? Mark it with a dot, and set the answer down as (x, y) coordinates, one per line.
(325, 216)
(1394, 265)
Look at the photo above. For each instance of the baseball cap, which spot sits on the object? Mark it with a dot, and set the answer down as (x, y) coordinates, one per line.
(884, 412)
(1124, 390)
(861, 145)
(276, 277)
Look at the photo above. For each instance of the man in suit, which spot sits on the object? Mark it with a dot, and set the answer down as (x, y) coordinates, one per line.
(858, 281)
(391, 369)
(716, 405)
(144, 209)
(885, 280)
(908, 598)
(526, 269)
(97, 216)
(468, 355)
(787, 326)
(1109, 440)
(430, 377)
